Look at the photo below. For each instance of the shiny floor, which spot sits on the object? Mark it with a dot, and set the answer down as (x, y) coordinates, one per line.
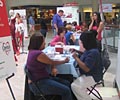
(17, 81)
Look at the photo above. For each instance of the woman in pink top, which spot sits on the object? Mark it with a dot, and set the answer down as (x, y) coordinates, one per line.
(97, 24)
(59, 39)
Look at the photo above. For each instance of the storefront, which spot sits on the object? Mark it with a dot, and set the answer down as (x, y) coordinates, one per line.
(113, 17)
(36, 11)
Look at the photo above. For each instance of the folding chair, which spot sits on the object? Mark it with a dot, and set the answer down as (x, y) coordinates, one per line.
(39, 95)
(105, 68)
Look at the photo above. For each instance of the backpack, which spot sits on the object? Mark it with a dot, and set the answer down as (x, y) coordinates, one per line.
(105, 59)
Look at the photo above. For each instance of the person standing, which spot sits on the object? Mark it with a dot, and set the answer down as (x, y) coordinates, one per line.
(12, 21)
(97, 24)
(57, 21)
(19, 32)
(31, 25)
(43, 29)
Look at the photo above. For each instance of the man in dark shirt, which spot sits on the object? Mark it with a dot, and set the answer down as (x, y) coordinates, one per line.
(43, 29)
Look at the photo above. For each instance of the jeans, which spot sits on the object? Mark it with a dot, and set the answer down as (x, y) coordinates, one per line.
(54, 32)
(43, 32)
(55, 86)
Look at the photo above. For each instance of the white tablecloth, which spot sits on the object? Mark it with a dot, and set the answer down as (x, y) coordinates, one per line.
(67, 68)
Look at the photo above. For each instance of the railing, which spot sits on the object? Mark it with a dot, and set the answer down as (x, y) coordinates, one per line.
(112, 34)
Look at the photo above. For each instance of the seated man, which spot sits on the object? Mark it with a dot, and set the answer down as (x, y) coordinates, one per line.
(89, 64)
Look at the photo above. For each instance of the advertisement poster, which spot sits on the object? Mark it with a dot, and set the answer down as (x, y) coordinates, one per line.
(22, 13)
(70, 14)
(7, 62)
(107, 7)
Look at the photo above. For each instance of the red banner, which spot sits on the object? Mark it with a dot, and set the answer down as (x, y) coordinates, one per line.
(4, 26)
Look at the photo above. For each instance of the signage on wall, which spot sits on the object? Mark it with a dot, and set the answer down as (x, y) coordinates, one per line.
(107, 7)
(71, 4)
(7, 62)
(70, 14)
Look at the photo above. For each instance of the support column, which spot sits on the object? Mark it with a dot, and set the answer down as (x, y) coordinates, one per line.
(7, 6)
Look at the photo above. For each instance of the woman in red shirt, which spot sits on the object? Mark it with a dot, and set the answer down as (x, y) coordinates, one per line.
(97, 24)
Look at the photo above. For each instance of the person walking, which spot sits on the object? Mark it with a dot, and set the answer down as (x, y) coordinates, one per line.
(57, 21)
(31, 25)
(43, 29)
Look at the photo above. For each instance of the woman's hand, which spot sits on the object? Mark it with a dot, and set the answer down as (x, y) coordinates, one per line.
(54, 71)
(67, 60)
(72, 50)
(92, 18)
(74, 55)
(60, 43)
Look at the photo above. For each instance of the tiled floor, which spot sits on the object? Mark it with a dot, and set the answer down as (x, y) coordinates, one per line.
(17, 81)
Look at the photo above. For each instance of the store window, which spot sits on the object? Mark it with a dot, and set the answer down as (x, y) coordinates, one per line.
(87, 13)
(48, 13)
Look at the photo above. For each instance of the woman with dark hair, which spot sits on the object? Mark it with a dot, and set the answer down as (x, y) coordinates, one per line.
(97, 24)
(89, 65)
(59, 39)
(37, 64)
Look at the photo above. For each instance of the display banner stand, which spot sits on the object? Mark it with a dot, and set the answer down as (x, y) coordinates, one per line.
(7, 60)
(7, 79)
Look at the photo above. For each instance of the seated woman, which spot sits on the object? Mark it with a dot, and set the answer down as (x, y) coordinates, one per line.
(70, 39)
(59, 39)
(89, 64)
(84, 27)
(37, 64)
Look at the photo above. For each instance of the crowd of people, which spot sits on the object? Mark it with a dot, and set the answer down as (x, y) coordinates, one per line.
(88, 58)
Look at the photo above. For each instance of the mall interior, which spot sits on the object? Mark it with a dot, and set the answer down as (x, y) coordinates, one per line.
(50, 8)
(111, 91)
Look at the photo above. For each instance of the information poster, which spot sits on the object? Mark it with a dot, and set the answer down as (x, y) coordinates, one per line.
(107, 7)
(70, 14)
(7, 62)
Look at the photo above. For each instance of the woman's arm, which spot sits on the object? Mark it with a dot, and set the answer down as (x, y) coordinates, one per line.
(100, 28)
(54, 71)
(73, 38)
(80, 63)
(46, 60)
(91, 24)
